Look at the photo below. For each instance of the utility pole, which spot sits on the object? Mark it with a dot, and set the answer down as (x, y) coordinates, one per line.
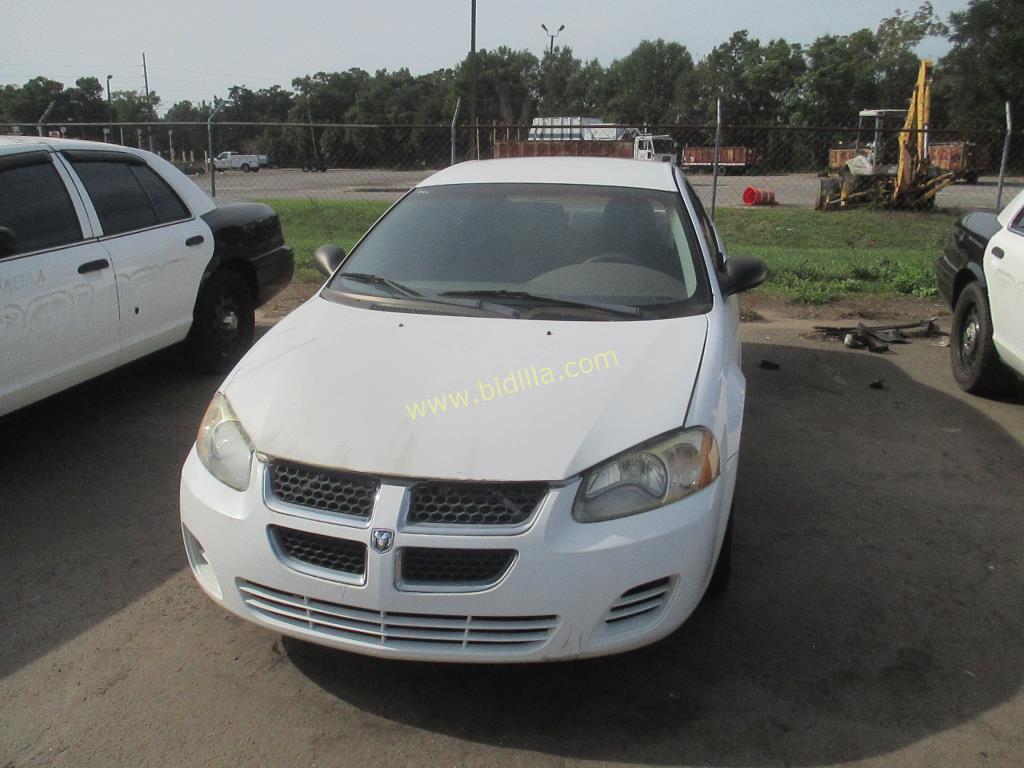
(472, 75)
(149, 104)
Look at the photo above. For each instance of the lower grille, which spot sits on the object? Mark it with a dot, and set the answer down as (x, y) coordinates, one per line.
(508, 634)
(338, 555)
(645, 600)
(454, 567)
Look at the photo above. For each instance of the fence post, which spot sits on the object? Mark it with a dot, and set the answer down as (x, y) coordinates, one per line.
(211, 167)
(718, 148)
(455, 117)
(1006, 158)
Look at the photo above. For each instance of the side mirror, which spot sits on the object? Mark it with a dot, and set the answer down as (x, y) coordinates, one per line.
(8, 242)
(742, 273)
(328, 258)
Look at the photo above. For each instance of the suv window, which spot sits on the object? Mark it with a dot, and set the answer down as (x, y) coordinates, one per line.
(126, 193)
(34, 206)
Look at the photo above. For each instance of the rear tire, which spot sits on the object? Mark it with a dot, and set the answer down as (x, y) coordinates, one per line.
(224, 323)
(723, 567)
(976, 364)
(246, 167)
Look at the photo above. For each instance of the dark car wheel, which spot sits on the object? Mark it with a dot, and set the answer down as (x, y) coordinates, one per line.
(224, 323)
(976, 365)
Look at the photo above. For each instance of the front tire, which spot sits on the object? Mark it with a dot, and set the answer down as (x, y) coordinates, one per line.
(976, 364)
(224, 323)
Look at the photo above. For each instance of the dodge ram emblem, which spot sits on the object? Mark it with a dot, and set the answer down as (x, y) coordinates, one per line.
(382, 539)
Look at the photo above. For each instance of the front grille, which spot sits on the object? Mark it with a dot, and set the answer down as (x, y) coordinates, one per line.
(454, 567)
(409, 631)
(645, 600)
(323, 489)
(339, 555)
(497, 504)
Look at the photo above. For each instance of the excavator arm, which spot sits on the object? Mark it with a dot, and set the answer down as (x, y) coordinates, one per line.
(914, 136)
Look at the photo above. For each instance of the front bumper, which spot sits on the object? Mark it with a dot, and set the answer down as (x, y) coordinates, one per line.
(555, 601)
(274, 271)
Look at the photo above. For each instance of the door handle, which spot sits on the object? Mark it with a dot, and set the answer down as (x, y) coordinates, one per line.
(998, 252)
(195, 240)
(93, 266)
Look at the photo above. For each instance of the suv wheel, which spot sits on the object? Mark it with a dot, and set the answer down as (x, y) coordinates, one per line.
(976, 365)
(224, 324)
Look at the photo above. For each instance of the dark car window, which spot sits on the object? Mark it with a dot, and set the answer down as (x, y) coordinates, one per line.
(165, 201)
(34, 207)
(120, 200)
(615, 245)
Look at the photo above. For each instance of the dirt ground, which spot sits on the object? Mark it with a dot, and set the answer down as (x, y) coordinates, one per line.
(874, 617)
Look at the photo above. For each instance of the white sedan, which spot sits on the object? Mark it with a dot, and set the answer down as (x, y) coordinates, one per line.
(506, 429)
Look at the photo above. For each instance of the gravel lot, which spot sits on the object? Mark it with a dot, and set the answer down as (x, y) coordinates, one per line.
(874, 617)
(800, 190)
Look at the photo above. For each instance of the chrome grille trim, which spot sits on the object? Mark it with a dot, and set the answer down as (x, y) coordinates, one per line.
(509, 634)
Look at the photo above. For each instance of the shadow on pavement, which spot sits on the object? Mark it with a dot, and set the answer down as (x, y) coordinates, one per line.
(875, 599)
(89, 500)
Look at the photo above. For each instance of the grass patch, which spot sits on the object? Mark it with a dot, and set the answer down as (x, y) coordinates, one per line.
(812, 257)
(308, 224)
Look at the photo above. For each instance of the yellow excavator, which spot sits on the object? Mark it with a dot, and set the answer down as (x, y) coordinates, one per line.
(870, 177)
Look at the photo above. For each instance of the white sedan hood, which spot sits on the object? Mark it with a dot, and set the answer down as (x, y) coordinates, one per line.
(350, 388)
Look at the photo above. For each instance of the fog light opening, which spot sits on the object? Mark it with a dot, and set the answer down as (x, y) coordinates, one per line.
(200, 565)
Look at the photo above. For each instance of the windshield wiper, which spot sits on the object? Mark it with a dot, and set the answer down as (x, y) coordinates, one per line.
(395, 287)
(551, 301)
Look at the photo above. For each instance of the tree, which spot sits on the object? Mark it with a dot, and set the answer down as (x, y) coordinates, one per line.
(654, 84)
(982, 71)
(508, 83)
(755, 83)
(569, 86)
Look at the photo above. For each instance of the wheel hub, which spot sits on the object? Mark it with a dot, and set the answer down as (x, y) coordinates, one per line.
(969, 336)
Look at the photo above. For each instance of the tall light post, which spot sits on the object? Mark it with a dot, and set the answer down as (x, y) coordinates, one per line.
(552, 35)
(110, 109)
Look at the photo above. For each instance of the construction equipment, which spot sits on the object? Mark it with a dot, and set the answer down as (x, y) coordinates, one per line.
(892, 177)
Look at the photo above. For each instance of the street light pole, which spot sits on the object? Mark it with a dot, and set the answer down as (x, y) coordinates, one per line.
(472, 77)
(552, 35)
(110, 109)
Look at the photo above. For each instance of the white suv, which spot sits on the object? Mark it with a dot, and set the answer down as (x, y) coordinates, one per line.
(109, 253)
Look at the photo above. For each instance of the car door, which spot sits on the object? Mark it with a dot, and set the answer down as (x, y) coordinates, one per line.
(1004, 273)
(158, 248)
(59, 320)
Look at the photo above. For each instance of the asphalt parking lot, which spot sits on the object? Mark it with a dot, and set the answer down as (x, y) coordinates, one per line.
(798, 190)
(874, 616)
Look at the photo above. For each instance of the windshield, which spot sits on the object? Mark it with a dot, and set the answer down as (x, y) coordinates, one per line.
(607, 248)
(664, 146)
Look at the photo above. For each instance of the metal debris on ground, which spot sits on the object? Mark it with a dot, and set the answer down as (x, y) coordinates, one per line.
(878, 338)
(877, 384)
(768, 365)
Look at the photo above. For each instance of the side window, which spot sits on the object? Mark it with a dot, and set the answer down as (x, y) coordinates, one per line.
(120, 201)
(35, 210)
(165, 201)
(706, 227)
(1018, 224)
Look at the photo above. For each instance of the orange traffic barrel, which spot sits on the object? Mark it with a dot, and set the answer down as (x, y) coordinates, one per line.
(754, 196)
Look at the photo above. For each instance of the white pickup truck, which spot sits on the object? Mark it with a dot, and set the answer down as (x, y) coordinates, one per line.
(227, 161)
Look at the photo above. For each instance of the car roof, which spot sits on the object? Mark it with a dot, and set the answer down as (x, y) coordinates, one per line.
(594, 171)
(27, 143)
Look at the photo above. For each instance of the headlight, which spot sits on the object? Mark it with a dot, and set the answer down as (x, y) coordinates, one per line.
(648, 476)
(223, 446)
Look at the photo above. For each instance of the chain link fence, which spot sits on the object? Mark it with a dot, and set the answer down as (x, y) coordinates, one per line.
(327, 161)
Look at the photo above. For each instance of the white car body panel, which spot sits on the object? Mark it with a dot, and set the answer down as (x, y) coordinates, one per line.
(1005, 279)
(358, 365)
(328, 387)
(59, 328)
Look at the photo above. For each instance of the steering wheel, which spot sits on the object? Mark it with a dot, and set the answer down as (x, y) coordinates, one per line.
(613, 257)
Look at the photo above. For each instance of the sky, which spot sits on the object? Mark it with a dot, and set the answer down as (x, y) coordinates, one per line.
(196, 49)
